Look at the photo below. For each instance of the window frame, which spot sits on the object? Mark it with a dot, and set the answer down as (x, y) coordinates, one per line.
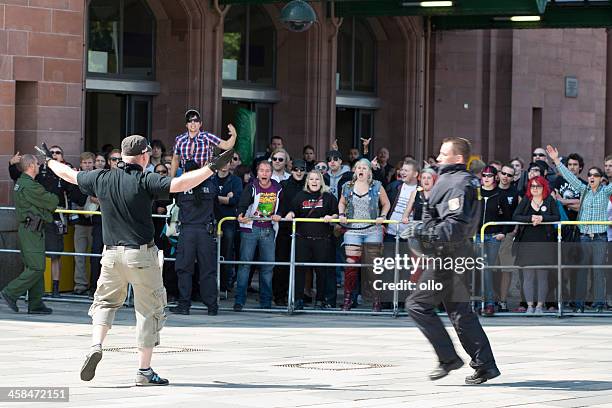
(247, 83)
(120, 74)
(352, 91)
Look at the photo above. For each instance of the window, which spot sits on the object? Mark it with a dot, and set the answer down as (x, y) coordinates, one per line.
(356, 56)
(248, 47)
(120, 39)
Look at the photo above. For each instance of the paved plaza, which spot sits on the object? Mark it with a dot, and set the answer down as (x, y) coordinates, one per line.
(275, 360)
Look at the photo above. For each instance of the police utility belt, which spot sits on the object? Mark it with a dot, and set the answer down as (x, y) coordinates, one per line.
(34, 223)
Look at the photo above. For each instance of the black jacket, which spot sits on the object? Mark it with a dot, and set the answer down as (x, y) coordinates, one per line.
(494, 207)
(452, 213)
(291, 187)
(551, 214)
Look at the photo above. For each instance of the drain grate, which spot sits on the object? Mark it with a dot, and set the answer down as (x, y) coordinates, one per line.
(158, 350)
(335, 365)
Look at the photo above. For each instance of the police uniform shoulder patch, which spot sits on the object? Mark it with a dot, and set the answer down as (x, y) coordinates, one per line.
(454, 204)
(475, 182)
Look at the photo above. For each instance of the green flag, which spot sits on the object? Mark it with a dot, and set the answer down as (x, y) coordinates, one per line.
(245, 127)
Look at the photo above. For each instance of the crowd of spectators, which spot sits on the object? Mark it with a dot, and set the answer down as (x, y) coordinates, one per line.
(362, 186)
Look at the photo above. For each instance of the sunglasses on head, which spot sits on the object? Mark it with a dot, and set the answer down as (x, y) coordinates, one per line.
(333, 158)
(506, 174)
(278, 159)
(298, 169)
(594, 175)
(488, 175)
(56, 151)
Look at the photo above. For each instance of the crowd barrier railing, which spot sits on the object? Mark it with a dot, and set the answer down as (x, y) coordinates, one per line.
(559, 266)
(292, 263)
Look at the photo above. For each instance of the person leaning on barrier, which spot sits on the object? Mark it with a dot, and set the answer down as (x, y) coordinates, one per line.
(315, 240)
(34, 208)
(593, 207)
(259, 200)
(530, 241)
(290, 187)
(363, 198)
(130, 255)
(450, 219)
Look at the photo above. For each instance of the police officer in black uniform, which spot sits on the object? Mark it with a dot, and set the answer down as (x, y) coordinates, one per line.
(450, 219)
(130, 255)
(196, 241)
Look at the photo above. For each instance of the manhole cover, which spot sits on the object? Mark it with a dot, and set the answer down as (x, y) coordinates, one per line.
(158, 350)
(335, 365)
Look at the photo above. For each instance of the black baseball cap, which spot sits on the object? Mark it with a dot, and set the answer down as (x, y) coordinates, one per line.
(541, 164)
(334, 153)
(135, 145)
(299, 163)
(192, 114)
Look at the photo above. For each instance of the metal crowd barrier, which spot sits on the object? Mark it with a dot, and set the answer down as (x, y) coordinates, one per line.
(129, 300)
(559, 266)
(292, 264)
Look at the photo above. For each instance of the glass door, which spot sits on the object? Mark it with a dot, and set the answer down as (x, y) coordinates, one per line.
(110, 117)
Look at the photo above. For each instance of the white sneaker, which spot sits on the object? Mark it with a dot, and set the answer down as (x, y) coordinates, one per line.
(530, 310)
(538, 310)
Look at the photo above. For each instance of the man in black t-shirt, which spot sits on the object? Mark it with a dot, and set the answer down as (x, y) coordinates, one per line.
(130, 255)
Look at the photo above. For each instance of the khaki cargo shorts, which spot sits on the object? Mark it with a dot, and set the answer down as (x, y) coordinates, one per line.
(140, 268)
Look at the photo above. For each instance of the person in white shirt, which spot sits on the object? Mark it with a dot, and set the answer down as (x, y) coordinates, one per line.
(399, 194)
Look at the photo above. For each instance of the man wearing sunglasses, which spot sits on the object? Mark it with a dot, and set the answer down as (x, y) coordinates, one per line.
(290, 188)
(594, 203)
(196, 144)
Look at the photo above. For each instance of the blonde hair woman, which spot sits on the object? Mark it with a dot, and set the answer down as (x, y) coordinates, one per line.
(361, 198)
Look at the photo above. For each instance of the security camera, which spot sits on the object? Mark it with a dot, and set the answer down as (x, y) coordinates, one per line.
(298, 16)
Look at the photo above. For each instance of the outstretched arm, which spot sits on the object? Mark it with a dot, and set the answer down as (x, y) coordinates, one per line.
(63, 171)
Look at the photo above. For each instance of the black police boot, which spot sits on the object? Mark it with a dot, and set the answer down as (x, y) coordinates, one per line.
(10, 302)
(221, 160)
(480, 376)
(444, 368)
(55, 292)
(180, 309)
(43, 310)
(213, 310)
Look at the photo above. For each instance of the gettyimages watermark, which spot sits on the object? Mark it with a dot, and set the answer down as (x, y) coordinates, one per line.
(413, 264)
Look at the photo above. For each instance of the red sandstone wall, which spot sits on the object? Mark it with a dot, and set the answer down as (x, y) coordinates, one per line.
(41, 66)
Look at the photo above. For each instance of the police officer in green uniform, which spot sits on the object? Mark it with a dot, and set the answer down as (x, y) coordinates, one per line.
(34, 207)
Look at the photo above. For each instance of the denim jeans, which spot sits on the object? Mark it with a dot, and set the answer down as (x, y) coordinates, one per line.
(593, 252)
(262, 238)
(491, 248)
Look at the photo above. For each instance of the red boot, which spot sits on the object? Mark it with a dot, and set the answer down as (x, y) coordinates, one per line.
(350, 280)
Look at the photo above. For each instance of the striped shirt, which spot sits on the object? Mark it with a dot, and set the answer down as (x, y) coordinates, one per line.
(594, 205)
(199, 148)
